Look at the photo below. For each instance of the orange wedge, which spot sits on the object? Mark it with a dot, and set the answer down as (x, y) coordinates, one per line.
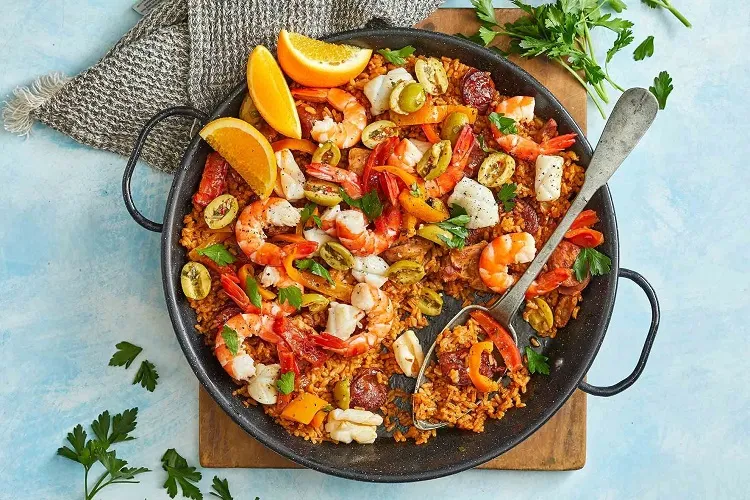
(314, 63)
(246, 150)
(270, 93)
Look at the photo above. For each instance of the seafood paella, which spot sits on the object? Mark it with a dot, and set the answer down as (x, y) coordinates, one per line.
(343, 206)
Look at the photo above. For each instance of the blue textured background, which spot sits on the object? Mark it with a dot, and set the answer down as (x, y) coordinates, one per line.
(78, 275)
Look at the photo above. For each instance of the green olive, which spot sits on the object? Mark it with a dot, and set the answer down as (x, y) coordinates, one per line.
(434, 233)
(432, 75)
(195, 280)
(412, 97)
(406, 272)
(314, 302)
(541, 318)
(328, 152)
(249, 113)
(336, 256)
(393, 100)
(496, 170)
(430, 302)
(322, 192)
(221, 211)
(342, 394)
(452, 126)
(435, 161)
(377, 132)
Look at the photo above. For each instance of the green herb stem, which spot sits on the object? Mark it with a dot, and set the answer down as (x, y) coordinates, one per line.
(583, 84)
(667, 5)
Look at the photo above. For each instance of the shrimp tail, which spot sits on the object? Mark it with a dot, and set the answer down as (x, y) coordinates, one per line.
(557, 144)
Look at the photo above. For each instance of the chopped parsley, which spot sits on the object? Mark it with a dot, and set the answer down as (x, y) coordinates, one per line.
(593, 261)
(507, 196)
(231, 339)
(537, 362)
(217, 253)
(369, 204)
(180, 473)
(645, 49)
(251, 289)
(285, 384)
(125, 355)
(291, 295)
(397, 57)
(484, 146)
(503, 123)
(661, 88)
(315, 268)
(456, 225)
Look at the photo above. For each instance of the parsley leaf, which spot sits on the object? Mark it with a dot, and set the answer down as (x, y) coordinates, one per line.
(292, 295)
(537, 362)
(285, 383)
(217, 253)
(317, 220)
(456, 226)
(503, 123)
(314, 268)
(180, 473)
(108, 431)
(593, 261)
(661, 88)
(485, 11)
(231, 339)
(624, 38)
(666, 4)
(221, 489)
(125, 355)
(251, 289)
(306, 212)
(507, 195)
(369, 204)
(397, 57)
(645, 49)
(487, 35)
(146, 376)
(483, 145)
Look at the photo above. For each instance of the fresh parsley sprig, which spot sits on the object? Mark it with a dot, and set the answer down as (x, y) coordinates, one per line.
(292, 295)
(370, 204)
(503, 123)
(180, 473)
(315, 268)
(125, 355)
(220, 489)
(507, 196)
(456, 225)
(87, 452)
(666, 4)
(217, 253)
(592, 261)
(645, 49)
(231, 339)
(285, 383)
(146, 375)
(537, 362)
(661, 88)
(397, 57)
(251, 289)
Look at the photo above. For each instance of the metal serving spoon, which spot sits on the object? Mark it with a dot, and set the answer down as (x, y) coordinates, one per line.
(630, 118)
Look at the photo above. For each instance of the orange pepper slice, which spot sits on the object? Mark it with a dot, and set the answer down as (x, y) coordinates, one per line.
(339, 290)
(295, 145)
(419, 208)
(399, 172)
(430, 133)
(481, 382)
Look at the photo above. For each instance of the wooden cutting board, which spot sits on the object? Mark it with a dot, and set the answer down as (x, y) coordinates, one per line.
(559, 445)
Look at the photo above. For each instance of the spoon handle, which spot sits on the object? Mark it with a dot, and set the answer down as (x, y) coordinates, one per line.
(630, 118)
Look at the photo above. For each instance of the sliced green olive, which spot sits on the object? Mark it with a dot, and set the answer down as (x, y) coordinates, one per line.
(430, 302)
(328, 152)
(322, 192)
(336, 255)
(393, 100)
(377, 132)
(342, 394)
(195, 280)
(249, 113)
(435, 161)
(314, 302)
(412, 98)
(406, 272)
(452, 126)
(541, 318)
(496, 170)
(432, 75)
(221, 211)
(434, 233)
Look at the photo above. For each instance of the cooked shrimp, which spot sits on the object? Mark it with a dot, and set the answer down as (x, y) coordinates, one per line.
(291, 178)
(346, 178)
(445, 182)
(520, 108)
(254, 218)
(345, 134)
(240, 365)
(526, 149)
(380, 314)
(515, 248)
(277, 276)
(351, 229)
(238, 295)
(406, 155)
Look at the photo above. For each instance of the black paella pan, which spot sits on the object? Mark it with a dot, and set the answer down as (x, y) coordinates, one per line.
(571, 353)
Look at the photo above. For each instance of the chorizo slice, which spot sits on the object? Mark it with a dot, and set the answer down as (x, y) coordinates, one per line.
(366, 392)
(478, 89)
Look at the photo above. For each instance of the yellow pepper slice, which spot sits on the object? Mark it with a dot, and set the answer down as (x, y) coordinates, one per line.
(419, 208)
(399, 172)
(339, 290)
(481, 382)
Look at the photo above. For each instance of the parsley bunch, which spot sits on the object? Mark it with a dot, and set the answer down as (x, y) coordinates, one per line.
(87, 452)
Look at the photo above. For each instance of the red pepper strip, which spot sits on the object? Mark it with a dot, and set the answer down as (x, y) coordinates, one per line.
(302, 345)
(286, 358)
(379, 156)
(327, 340)
(430, 133)
(585, 237)
(237, 294)
(482, 382)
(399, 172)
(501, 338)
(213, 181)
(464, 145)
(389, 185)
(547, 282)
(587, 218)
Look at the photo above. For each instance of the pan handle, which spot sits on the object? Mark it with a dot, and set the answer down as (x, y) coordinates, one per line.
(630, 379)
(127, 196)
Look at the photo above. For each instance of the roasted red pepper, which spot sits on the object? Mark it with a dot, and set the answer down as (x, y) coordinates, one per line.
(214, 180)
(585, 237)
(545, 283)
(501, 338)
(430, 133)
(389, 186)
(378, 157)
(587, 218)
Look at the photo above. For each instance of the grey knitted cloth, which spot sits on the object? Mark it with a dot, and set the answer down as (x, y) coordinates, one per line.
(183, 52)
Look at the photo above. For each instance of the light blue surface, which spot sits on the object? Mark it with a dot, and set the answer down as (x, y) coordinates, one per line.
(78, 275)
